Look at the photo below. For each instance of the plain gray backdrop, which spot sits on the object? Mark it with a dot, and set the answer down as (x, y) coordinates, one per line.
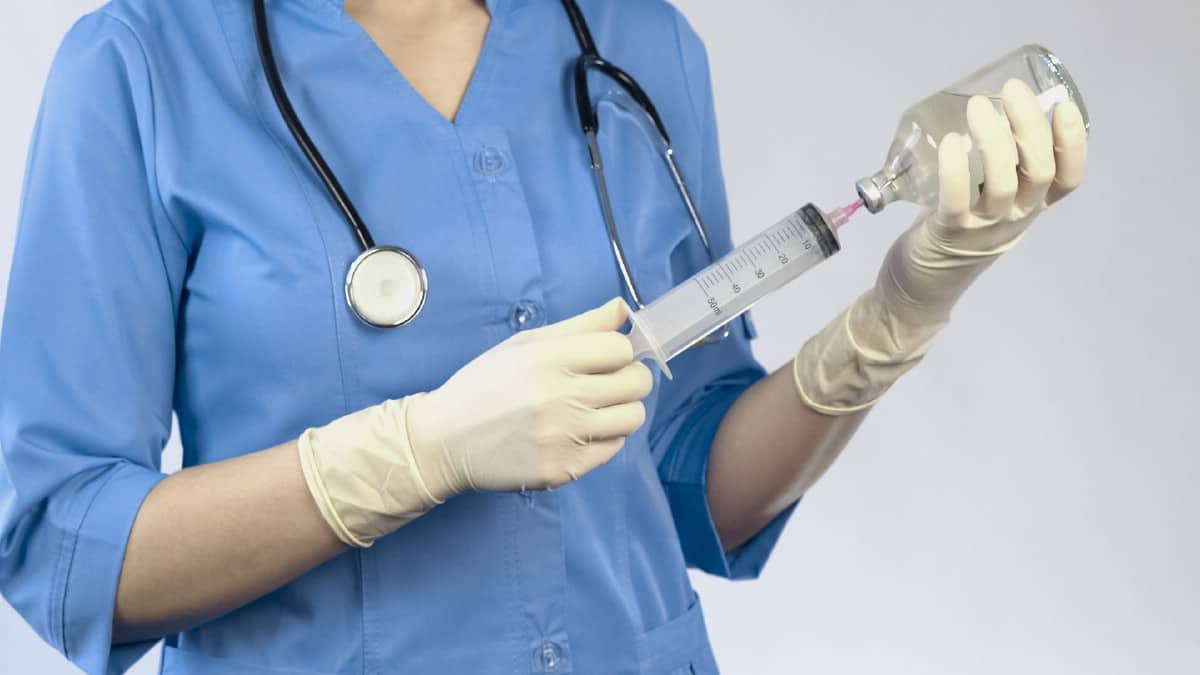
(1023, 502)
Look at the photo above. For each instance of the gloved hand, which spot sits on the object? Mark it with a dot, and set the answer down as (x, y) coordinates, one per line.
(536, 411)
(853, 361)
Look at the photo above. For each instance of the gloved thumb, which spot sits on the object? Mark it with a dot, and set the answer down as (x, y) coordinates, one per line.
(607, 317)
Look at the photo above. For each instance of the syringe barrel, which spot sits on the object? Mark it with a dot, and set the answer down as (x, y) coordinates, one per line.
(721, 292)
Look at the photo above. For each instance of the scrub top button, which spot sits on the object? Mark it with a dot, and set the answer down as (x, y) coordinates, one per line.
(526, 314)
(551, 656)
(489, 161)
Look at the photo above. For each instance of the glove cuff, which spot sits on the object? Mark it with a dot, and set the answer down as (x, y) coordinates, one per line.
(310, 465)
(854, 361)
(362, 474)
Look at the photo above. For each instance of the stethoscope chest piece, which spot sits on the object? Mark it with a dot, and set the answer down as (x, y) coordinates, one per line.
(386, 286)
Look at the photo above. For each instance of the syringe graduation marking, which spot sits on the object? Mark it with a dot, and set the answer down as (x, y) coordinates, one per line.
(779, 247)
(740, 278)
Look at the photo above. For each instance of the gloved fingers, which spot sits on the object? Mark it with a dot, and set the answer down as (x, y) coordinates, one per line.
(1035, 145)
(1070, 150)
(588, 353)
(634, 382)
(954, 176)
(614, 421)
(999, 155)
(594, 455)
(607, 317)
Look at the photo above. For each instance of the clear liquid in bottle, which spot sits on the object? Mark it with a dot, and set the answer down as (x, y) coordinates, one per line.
(910, 172)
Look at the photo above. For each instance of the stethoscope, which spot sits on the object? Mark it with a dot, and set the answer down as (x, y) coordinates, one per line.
(386, 286)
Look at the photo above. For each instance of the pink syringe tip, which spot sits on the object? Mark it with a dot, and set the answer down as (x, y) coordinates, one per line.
(842, 215)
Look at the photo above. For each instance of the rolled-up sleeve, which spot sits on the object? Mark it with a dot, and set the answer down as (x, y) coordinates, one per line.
(708, 379)
(87, 353)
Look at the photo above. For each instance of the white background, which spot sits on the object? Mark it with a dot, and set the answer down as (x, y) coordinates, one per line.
(1023, 502)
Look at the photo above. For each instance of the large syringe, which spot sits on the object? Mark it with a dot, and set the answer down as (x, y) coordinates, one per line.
(725, 289)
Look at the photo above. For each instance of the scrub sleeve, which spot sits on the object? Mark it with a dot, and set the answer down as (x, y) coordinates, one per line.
(88, 359)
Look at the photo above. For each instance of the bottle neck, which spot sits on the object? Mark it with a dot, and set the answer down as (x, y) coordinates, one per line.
(877, 190)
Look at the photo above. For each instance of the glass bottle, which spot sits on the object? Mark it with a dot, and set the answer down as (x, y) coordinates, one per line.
(911, 170)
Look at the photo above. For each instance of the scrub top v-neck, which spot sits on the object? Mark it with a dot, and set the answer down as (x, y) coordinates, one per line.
(388, 70)
(176, 254)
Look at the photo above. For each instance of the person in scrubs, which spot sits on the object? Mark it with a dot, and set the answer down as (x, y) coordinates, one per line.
(495, 486)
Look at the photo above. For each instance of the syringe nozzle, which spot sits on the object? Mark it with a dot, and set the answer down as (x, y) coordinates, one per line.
(841, 216)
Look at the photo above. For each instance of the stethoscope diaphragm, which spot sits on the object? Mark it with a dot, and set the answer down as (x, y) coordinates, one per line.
(386, 286)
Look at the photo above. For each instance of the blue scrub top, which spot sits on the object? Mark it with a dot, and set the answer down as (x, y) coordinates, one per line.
(176, 253)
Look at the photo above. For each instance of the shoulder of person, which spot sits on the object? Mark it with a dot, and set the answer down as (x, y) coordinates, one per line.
(649, 28)
(152, 27)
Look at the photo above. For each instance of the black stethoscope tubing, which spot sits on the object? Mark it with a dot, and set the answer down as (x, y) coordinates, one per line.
(587, 116)
(296, 127)
(399, 264)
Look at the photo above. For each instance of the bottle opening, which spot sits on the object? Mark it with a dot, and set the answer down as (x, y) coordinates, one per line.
(873, 192)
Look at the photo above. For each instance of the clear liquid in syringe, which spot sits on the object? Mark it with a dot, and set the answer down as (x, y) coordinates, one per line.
(724, 290)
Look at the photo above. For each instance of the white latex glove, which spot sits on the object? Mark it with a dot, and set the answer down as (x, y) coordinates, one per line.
(853, 361)
(536, 411)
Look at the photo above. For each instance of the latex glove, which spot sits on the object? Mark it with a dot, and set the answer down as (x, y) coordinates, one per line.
(853, 361)
(536, 411)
